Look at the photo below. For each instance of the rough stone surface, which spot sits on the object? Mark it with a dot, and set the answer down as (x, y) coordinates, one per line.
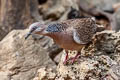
(54, 9)
(20, 58)
(116, 22)
(105, 5)
(99, 60)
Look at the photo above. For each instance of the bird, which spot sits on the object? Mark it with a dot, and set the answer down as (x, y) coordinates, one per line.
(72, 34)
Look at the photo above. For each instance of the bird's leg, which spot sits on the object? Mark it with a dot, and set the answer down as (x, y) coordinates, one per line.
(76, 56)
(66, 57)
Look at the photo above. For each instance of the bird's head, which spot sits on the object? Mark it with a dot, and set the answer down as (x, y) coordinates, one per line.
(36, 28)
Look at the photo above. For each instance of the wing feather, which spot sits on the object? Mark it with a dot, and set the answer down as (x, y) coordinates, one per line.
(84, 31)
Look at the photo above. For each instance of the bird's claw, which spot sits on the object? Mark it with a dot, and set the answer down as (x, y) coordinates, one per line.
(65, 62)
(71, 60)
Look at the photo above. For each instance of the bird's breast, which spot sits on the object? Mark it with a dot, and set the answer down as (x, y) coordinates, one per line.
(66, 41)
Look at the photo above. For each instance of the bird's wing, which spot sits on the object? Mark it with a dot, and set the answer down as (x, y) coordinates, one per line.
(83, 30)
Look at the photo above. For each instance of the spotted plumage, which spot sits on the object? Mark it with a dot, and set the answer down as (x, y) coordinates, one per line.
(82, 29)
(55, 27)
(71, 34)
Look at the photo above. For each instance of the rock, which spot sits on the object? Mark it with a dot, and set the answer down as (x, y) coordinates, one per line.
(17, 15)
(45, 74)
(71, 13)
(52, 49)
(2, 33)
(20, 58)
(105, 5)
(99, 60)
(54, 9)
(116, 23)
(74, 13)
(57, 59)
(116, 6)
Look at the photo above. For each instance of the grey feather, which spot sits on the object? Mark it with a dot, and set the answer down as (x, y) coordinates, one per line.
(54, 27)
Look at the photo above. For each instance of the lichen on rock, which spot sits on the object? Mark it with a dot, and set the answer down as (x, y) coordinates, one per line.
(99, 60)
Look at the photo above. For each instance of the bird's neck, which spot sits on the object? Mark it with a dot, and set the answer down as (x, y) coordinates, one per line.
(42, 31)
(54, 36)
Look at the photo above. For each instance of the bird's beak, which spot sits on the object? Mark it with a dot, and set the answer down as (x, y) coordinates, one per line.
(28, 34)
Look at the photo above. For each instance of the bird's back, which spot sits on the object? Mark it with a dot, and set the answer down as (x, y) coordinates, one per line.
(81, 29)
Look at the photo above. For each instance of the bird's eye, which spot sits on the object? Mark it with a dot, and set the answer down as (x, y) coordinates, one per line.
(35, 27)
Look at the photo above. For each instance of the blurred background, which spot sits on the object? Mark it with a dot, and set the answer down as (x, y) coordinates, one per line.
(19, 14)
(20, 59)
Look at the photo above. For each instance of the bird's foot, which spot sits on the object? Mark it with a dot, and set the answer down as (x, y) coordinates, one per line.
(65, 62)
(73, 59)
